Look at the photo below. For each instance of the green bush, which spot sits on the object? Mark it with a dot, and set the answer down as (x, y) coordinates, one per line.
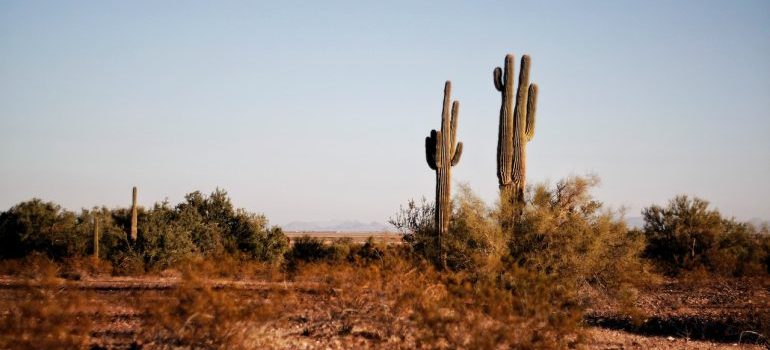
(204, 226)
(252, 236)
(164, 240)
(687, 235)
(37, 226)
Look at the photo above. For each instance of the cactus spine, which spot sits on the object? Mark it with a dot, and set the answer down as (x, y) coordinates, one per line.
(96, 237)
(442, 151)
(517, 127)
(134, 233)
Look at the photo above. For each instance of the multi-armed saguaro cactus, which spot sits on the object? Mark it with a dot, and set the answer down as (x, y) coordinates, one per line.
(96, 237)
(442, 152)
(133, 216)
(517, 127)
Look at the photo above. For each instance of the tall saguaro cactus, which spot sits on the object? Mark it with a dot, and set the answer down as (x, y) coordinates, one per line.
(517, 127)
(134, 233)
(96, 237)
(442, 151)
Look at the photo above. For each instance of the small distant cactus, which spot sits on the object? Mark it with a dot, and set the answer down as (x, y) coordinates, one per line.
(134, 232)
(517, 127)
(96, 237)
(442, 151)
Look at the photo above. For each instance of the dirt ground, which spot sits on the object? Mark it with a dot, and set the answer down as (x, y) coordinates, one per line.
(671, 315)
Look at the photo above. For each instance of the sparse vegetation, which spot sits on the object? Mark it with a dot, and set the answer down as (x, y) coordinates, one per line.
(532, 285)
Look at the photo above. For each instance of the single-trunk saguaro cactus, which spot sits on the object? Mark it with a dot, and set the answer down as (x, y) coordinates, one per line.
(442, 152)
(133, 216)
(96, 237)
(517, 127)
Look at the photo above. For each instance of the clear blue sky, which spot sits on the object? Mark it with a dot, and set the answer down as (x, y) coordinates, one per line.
(318, 110)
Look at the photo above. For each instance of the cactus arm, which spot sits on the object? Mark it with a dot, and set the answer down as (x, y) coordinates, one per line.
(497, 78)
(458, 152)
(531, 111)
(453, 125)
(430, 150)
(439, 144)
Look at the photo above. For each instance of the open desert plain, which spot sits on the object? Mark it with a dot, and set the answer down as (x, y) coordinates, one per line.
(385, 175)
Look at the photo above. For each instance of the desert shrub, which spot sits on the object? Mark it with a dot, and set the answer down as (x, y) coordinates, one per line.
(216, 227)
(307, 249)
(339, 251)
(37, 226)
(34, 266)
(513, 307)
(472, 239)
(252, 236)
(417, 227)
(198, 316)
(564, 232)
(163, 240)
(687, 235)
(368, 252)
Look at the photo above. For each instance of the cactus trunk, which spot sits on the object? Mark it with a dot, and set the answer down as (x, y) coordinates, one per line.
(96, 237)
(517, 128)
(134, 232)
(442, 152)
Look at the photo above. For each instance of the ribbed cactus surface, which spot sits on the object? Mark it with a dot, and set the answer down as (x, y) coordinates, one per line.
(134, 231)
(517, 127)
(442, 151)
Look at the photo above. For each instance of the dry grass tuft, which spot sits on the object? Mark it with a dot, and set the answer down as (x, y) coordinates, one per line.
(198, 316)
(43, 314)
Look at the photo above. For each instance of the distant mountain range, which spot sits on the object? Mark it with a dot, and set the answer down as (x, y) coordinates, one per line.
(337, 226)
